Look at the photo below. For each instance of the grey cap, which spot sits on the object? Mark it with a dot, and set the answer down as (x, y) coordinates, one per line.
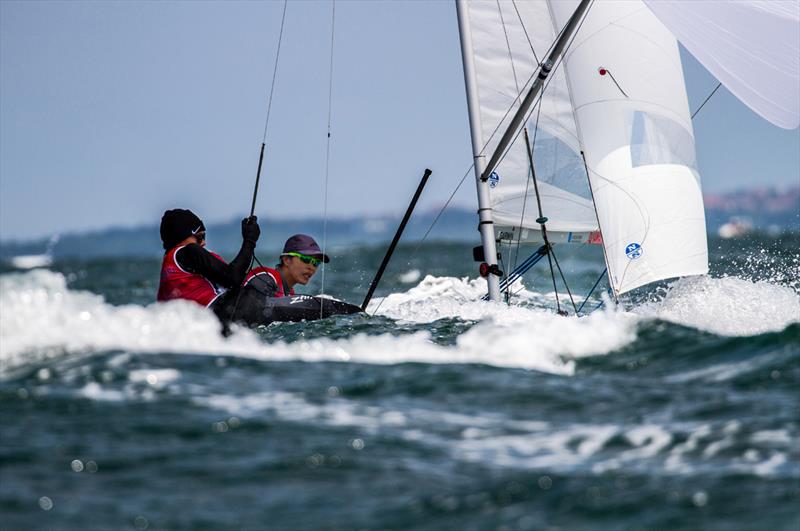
(304, 244)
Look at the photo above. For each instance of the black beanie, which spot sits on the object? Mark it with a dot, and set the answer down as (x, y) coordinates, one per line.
(177, 225)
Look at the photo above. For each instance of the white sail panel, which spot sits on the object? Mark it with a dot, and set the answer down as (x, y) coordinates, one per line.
(751, 46)
(627, 88)
(507, 39)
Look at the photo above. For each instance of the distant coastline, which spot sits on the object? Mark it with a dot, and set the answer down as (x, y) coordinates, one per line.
(764, 209)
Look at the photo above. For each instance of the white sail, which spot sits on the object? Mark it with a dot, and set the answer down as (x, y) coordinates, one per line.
(628, 93)
(619, 97)
(507, 39)
(751, 46)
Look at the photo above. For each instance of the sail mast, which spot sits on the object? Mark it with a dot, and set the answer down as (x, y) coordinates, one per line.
(486, 223)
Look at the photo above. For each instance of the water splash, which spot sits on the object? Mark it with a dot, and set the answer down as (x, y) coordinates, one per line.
(727, 306)
(43, 319)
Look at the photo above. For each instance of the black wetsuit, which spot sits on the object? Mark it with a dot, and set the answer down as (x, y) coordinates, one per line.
(196, 259)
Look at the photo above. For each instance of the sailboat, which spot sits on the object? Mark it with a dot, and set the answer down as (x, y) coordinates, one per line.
(599, 85)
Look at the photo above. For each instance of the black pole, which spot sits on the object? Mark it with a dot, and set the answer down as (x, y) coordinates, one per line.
(227, 320)
(258, 178)
(397, 235)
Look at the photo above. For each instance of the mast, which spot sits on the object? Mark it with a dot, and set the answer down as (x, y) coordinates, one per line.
(486, 223)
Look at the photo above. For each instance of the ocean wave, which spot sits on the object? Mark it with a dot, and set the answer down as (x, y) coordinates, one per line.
(664, 449)
(42, 319)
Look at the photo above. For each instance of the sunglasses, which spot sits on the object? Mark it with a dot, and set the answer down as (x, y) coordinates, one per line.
(201, 236)
(305, 258)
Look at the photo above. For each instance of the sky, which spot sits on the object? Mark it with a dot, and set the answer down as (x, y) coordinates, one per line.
(112, 112)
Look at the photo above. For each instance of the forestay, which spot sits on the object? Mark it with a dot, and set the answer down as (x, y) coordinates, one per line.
(634, 129)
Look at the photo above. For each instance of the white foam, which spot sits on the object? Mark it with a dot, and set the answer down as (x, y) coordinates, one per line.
(409, 277)
(31, 261)
(726, 306)
(41, 317)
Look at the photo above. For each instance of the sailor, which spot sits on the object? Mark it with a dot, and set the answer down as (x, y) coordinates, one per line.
(298, 262)
(268, 294)
(191, 272)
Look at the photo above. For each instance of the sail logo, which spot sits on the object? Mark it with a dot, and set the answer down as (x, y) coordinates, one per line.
(633, 251)
(493, 179)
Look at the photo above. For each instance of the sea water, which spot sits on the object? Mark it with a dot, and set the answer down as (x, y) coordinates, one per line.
(678, 408)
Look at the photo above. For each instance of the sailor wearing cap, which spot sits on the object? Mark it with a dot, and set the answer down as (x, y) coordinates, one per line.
(298, 262)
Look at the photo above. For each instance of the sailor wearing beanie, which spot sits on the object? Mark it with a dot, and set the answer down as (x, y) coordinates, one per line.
(189, 271)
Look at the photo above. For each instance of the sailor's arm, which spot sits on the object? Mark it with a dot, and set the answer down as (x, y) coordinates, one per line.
(195, 259)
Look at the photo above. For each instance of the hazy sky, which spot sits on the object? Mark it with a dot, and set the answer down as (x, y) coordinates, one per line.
(111, 112)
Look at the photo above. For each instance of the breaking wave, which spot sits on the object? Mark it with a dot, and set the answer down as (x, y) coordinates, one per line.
(42, 318)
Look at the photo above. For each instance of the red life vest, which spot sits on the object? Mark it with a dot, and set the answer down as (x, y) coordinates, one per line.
(177, 283)
(276, 276)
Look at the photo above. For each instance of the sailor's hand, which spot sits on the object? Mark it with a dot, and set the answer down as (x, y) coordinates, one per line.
(250, 229)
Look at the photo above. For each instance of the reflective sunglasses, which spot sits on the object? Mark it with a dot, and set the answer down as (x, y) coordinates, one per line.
(305, 258)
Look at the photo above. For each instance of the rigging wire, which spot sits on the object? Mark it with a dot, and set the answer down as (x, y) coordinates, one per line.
(226, 325)
(542, 220)
(706, 100)
(441, 210)
(274, 72)
(524, 29)
(564, 281)
(528, 180)
(593, 288)
(328, 151)
(508, 47)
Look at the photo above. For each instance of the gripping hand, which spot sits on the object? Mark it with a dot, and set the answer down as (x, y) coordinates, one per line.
(250, 229)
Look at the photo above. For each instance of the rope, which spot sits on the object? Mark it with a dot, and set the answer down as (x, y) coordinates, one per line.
(706, 100)
(564, 280)
(441, 211)
(328, 151)
(593, 288)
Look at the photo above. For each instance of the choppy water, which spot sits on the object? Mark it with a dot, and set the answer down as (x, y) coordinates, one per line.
(680, 410)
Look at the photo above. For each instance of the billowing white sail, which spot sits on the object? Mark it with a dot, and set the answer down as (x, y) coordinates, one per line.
(619, 97)
(628, 93)
(751, 46)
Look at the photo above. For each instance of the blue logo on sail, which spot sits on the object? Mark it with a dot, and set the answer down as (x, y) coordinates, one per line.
(493, 179)
(633, 251)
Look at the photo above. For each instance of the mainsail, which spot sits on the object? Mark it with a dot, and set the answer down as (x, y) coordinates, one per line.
(618, 99)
